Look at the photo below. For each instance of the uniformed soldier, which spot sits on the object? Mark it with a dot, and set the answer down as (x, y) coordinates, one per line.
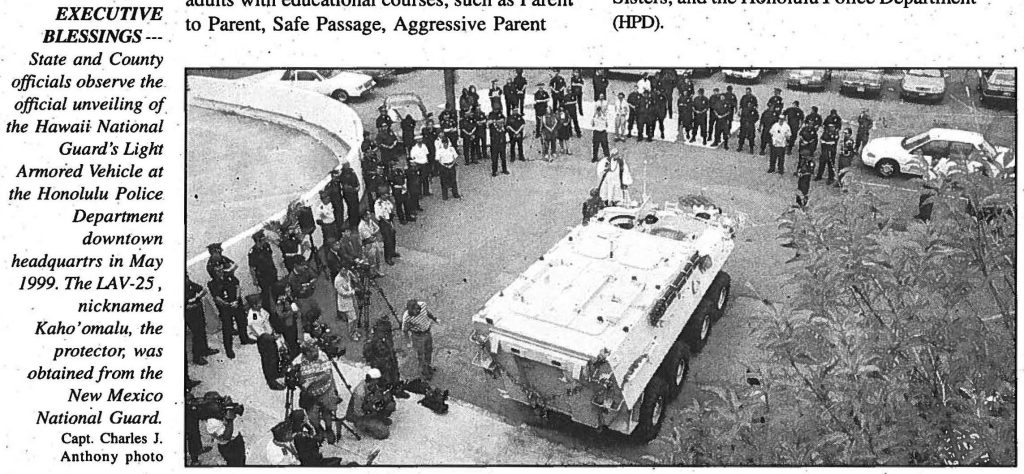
(349, 184)
(494, 94)
(224, 291)
(515, 126)
(600, 83)
(700, 117)
(804, 169)
(829, 141)
(722, 118)
(261, 265)
(218, 260)
(715, 102)
(384, 120)
(558, 90)
(748, 100)
(684, 108)
(794, 117)
(834, 120)
(864, 125)
(520, 84)
(496, 127)
(481, 131)
(541, 100)
(733, 102)
(302, 283)
(400, 192)
(748, 126)
(576, 91)
(686, 86)
(511, 97)
(775, 101)
(659, 108)
(467, 129)
(768, 118)
(814, 119)
(633, 99)
(572, 109)
(195, 321)
(416, 323)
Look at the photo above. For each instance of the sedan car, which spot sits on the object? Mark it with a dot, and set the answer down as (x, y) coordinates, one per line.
(862, 82)
(997, 85)
(406, 103)
(336, 83)
(816, 79)
(942, 150)
(924, 84)
(745, 75)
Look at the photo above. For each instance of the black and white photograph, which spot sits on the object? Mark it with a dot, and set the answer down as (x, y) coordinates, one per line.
(600, 266)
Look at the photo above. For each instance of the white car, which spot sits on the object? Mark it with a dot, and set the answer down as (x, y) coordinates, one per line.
(336, 83)
(942, 150)
(746, 75)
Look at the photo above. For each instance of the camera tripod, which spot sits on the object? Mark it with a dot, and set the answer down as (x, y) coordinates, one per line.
(366, 286)
(289, 401)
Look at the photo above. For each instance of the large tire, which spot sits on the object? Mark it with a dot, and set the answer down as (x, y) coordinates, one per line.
(340, 95)
(887, 167)
(719, 293)
(675, 368)
(652, 410)
(698, 330)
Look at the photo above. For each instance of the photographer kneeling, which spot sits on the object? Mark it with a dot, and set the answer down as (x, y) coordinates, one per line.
(219, 415)
(319, 395)
(371, 406)
(295, 443)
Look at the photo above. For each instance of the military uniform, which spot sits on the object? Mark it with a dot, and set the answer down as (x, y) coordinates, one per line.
(497, 131)
(470, 149)
(722, 119)
(515, 126)
(684, 107)
(700, 118)
(400, 192)
(557, 85)
(829, 140)
(748, 125)
(224, 291)
(303, 286)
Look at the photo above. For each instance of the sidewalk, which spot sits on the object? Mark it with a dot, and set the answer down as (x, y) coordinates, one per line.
(465, 435)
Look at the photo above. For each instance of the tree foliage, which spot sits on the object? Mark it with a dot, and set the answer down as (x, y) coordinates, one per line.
(899, 346)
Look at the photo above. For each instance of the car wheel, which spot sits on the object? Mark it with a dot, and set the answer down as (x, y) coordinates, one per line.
(652, 411)
(887, 167)
(721, 287)
(340, 95)
(676, 367)
(698, 330)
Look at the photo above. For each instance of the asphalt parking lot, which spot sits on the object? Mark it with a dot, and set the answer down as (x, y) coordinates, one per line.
(460, 252)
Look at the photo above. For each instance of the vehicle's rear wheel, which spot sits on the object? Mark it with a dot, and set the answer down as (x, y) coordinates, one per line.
(698, 330)
(675, 368)
(340, 95)
(652, 410)
(887, 167)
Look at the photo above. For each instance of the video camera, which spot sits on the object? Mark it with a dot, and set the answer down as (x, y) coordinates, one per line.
(326, 340)
(379, 400)
(214, 405)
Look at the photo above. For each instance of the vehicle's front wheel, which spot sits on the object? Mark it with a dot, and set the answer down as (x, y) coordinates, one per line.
(720, 292)
(652, 411)
(340, 95)
(698, 331)
(676, 367)
(887, 167)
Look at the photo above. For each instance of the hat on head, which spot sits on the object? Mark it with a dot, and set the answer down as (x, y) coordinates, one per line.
(251, 300)
(211, 395)
(214, 247)
(258, 235)
(373, 373)
(282, 432)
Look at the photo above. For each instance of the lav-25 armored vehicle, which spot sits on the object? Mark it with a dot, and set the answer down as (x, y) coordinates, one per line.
(602, 326)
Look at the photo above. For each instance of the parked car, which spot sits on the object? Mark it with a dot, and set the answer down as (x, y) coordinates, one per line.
(941, 149)
(923, 84)
(406, 103)
(338, 84)
(811, 79)
(862, 82)
(744, 75)
(997, 85)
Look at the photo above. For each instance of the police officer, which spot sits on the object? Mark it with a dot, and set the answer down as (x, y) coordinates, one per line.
(775, 101)
(467, 129)
(864, 125)
(733, 102)
(416, 323)
(218, 260)
(715, 101)
(600, 83)
(748, 125)
(261, 265)
(684, 108)
(349, 184)
(302, 283)
(195, 321)
(576, 90)
(633, 99)
(748, 100)
(768, 118)
(794, 117)
(829, 141)
(834, 120)
(541, 101)
(480, 136)
(224, 290)
(669, 82)
(495, 93)
(558, 90)
(659, 106)
(645, 117)
(289, 246)
(449, 125)
(847, 148)
(808, 140)
(722, 118)
(383, 119)
(520, 84)
(408, 126)
(370, 151)
(515, 126)
(496, 127)
(814, 119)
(400, 192)
(572, 110)
(430, 134)
(414, 186)
(284, 316)
(700, 117)
(686, 86)
(388, 144)
(804, 170)
(511, 97)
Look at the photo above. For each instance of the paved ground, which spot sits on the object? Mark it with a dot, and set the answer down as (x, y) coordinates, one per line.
(461, 252)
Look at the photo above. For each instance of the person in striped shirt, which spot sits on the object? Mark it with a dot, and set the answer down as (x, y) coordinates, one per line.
(416, 322)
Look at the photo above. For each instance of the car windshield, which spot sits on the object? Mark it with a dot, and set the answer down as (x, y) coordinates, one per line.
(1003, 76)
(925, 72)
(910, 143)
(328, 73)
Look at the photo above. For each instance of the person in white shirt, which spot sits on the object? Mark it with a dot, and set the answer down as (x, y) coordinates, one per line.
(780, 133)
(600, 125)
(281, 448)
(447, 157)
(419, 158)
(615, 179)
(384, 211)
(644, 84)
(258, 318)
(325, 217)
(373, 241)
(621, 117)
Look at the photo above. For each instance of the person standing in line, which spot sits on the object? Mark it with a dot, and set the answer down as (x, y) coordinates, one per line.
(633, 100)
(511, 98)
(669, 82)
(495, 95)
(467, 127)
(482, 123)
(558, 90)
(515, 127)
(195, 321)
(623, 111)
(450, 126)
(373, 241)
(814, 119)
(722, 119)
(400, 193)
(829, 141)
(572, 110)
(775, 101)
(261, 265)
(659, 106)
(417, 166)
(408, 126)
(748, 100)
(864, 126)
(685, 109)
(564, 130)
(416, 323)
(600, 138)
(497, 135)
(700, 117)
(781, 134)
(576, 92)
(384, 212)
(733, 102)
(768, 119)
(715, 101)
(600, 83)
(348, 181)
(794, 117)
(520, 84)
(447, 159)
(224, 290)
(748, 125)
(549, 136)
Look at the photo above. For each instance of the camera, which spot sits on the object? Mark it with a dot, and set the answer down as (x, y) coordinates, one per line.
(293, 377)
(213, 405)
(379, 400)
(326, 340)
